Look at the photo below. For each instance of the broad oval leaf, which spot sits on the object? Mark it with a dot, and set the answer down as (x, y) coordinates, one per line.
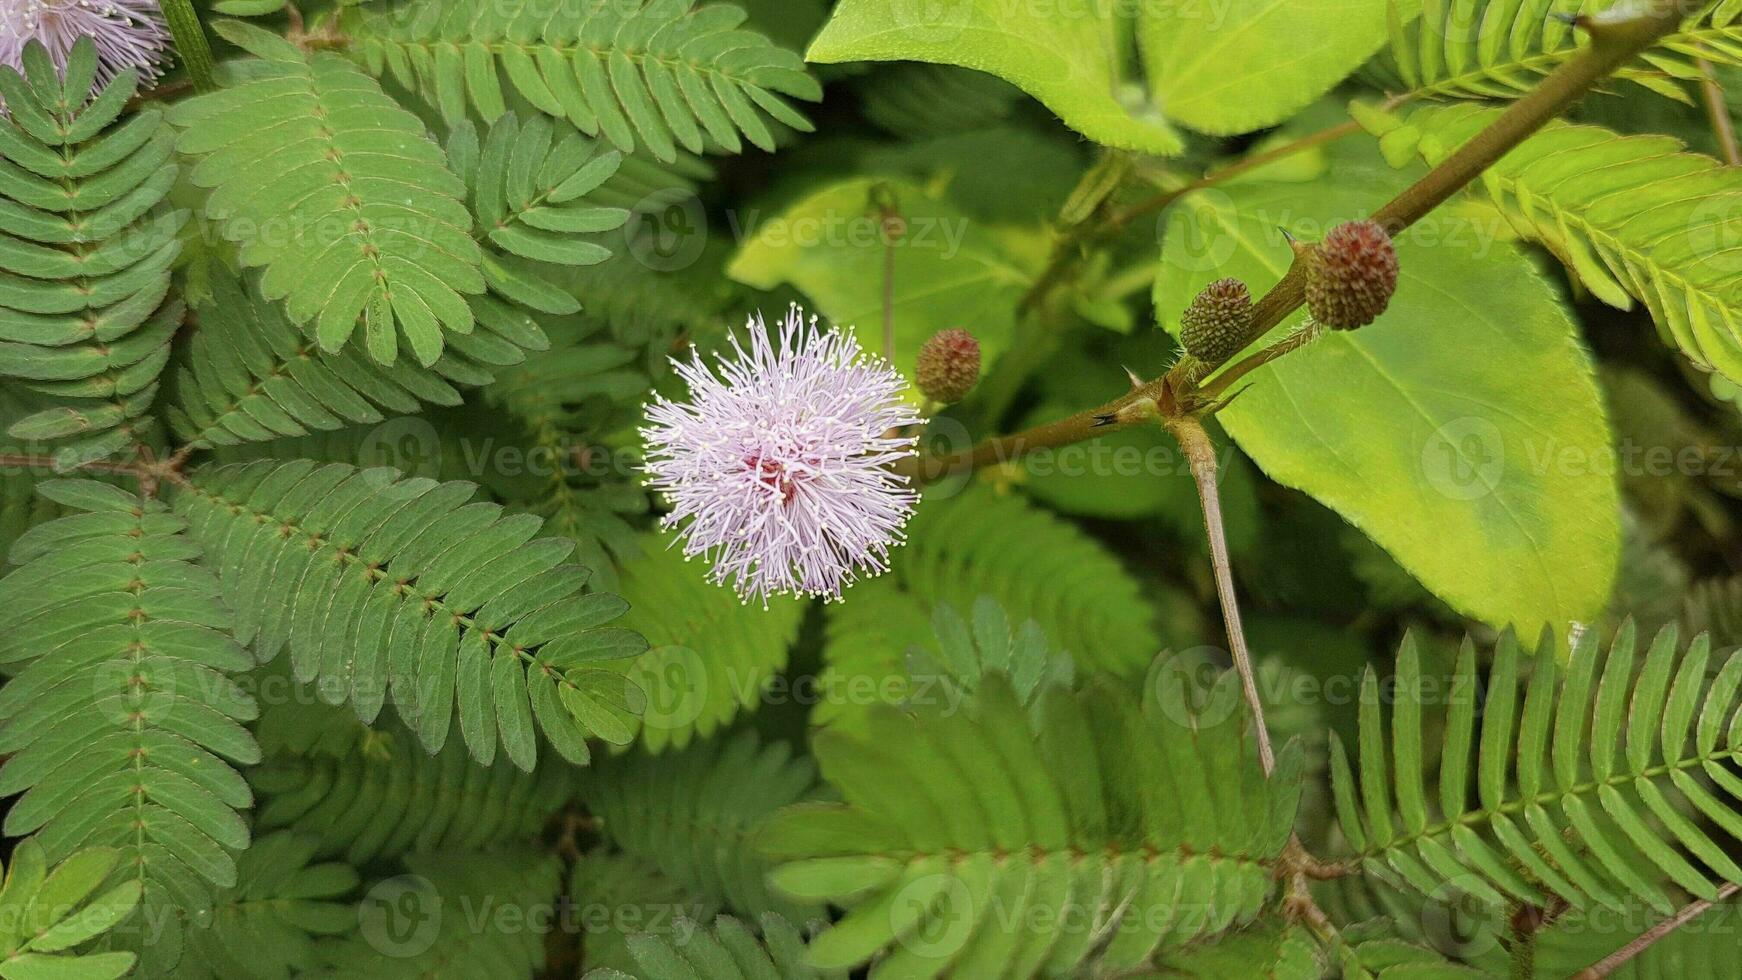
(1220, 68)
(1065, 55)
(950, 271)
(1462, 431)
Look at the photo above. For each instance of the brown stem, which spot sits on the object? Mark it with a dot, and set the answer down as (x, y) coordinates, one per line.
(1118, 221)
(47, 463)
(1201, 454)
(147, 471)
(1524, 925)
(1613, 43)
(1614, 961)
(157, 93)
(889, 289)
(1718, 111)
(1218, 386)
(1143, 404)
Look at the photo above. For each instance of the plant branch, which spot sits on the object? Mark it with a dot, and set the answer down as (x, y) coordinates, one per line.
(148, 471)
(47, 463)
(1614, 961)
(1718, 111)
(1614, 42)
(1615, 39)
(190, 43)
(892, 228)
(1201, 455)
(1523, 926)
(1116, 222)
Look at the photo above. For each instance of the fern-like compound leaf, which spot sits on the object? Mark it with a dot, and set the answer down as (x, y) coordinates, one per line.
(530, 184)
(272, 921)
(85, 254)
(617, 896)
(1124, 828)
(662, 74)
(1500, 49)
(122, 723)
(1633, 217)
(711, 655)
(694, 813)
(482, 915)
(250, 375)
(379, 583)
(1600, 783)
(982, 544)
(52, 912)
(335, 190)
(369, 793)
(729, 950)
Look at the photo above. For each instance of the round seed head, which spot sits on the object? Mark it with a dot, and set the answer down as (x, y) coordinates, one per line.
(1352, 275)
(948, 366)
(1213, 327)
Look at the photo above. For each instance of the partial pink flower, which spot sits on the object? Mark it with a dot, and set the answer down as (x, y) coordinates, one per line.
(777, 468)
(128, 33)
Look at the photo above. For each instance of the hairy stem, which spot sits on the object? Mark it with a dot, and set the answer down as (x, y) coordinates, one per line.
(1613, 43)
(890, 228)
(147, 470)
(1718, 111)
(1201, 454)
(191, 47)
(1223, 381)
(1614, 961)
(47, 463)
(1524, 925)
(1059, 262)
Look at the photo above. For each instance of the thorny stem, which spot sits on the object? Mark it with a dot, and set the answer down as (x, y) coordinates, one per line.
(1614, 961)
(1613, 43)
(1718, 111)
(1524, 925)
(1219, 385)
(147, 471)
(1297, 903)
(1118, 221)
(1201, 454)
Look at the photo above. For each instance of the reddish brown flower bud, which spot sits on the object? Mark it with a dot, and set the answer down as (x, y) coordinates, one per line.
(1352, 275)
(1213, 327)
(949, 366)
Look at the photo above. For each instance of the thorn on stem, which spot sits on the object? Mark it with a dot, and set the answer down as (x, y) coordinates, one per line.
(1136, 381)
(1301, 249)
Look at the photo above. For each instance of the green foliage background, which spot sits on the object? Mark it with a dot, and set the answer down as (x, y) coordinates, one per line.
(339, 639)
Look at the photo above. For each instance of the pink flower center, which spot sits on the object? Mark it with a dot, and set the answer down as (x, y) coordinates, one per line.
(773, 474)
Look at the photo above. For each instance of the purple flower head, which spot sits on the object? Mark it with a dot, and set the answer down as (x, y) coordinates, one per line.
(777, 468)
(128, 33)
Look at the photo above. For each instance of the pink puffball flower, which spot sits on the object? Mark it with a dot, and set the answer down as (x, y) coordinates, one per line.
(777, 468)
(127, 33)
